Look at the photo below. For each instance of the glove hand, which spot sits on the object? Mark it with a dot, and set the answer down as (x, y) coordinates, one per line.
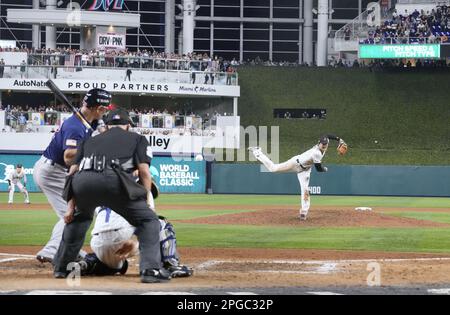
(342, 147)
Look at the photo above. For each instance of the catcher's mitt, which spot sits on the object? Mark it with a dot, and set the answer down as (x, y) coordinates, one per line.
(342, 148)
(154, 190)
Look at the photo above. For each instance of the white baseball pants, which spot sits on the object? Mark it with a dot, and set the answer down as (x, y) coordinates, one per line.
(291, 166)
(21, 188)
(106, 244)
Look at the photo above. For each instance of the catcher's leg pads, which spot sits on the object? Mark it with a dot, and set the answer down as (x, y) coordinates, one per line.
(168, 245)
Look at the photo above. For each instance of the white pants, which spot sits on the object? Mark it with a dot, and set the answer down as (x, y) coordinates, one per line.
(21, 188)
(105, 245)
(291, 166)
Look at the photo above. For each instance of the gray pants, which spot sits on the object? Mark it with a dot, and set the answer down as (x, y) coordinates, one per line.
(92, 189)
(50, 179)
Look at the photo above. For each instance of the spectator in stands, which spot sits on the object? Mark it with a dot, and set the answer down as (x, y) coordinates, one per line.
(128, 75)
(23, 68)
(22, 123)
(347, 33)
(2, 67)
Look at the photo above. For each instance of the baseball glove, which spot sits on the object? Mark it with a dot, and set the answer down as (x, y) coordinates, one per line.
(342, 147)
(155, 190)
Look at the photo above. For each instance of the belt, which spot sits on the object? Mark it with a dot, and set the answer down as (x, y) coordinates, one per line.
(53, 163)
(298, 162)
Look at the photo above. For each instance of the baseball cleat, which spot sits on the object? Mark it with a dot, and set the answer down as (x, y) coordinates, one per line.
(180, 271)
(10, 202)
(59, 275)
(255, 151)
(155, 276)
(302, 217)
(27, 202)
(43, 259)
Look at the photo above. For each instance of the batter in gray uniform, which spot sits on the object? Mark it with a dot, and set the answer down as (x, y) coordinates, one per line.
(51, 169)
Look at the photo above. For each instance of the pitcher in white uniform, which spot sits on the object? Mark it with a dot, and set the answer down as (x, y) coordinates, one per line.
(15, 178)
(300, 164)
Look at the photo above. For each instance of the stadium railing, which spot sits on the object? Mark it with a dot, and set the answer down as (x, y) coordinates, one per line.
(119, 74)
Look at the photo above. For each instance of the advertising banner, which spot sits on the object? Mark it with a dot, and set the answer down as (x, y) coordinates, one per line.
(172, 176)
(8, 163)
(111, 41)
(179, 176)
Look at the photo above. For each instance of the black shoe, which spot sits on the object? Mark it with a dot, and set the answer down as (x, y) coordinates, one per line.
(155, 276)
(124, 268)
(43, 259)
(59, 275)
(180, 271)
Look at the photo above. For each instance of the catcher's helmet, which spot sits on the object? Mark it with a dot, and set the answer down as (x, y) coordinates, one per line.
(97, 97)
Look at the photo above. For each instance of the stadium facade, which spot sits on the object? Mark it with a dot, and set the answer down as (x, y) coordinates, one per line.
(278, 30)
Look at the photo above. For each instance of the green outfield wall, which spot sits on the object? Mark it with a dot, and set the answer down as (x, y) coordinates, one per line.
(388, 117)
(432, 181)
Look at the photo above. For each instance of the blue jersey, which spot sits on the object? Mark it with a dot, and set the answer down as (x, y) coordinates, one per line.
(69, 136)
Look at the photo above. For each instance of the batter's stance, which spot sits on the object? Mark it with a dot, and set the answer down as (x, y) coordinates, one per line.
(51, 169)
(15, 178)
(302, 164)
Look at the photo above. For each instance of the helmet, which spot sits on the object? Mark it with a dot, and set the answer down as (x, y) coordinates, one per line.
(97, 97)
(19, 166)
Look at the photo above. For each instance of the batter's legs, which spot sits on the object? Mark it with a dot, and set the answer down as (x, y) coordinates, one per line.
(51, 181)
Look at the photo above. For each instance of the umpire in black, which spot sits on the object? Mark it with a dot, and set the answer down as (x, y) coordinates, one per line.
(102, 176)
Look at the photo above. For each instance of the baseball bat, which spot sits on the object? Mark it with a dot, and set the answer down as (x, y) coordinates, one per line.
(62, 98)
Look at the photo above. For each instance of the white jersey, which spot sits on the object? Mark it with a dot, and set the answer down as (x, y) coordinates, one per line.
(15, 177)
(108, 220)
(309, 158)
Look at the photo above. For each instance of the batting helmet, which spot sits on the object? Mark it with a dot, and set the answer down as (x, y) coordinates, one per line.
(97, 97)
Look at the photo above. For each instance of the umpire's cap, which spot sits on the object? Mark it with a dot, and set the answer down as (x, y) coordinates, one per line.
(97, 97)
(118, 116)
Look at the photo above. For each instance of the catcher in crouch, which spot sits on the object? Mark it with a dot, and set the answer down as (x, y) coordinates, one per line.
(302, 164)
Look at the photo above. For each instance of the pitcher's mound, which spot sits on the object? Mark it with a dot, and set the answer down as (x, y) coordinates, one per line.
(316, 218)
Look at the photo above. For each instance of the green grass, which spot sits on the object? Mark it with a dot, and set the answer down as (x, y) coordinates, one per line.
(248, 200)
(428, 216)
(33, 227)
(407, 113)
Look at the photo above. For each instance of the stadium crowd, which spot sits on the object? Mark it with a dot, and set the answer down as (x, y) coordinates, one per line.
(411, 28)
(124, 59)
(17, 118)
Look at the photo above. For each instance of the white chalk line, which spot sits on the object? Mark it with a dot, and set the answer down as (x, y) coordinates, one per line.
(315, 262)
(439, 291)
(13, 259)
(17, 255)
(324, 293)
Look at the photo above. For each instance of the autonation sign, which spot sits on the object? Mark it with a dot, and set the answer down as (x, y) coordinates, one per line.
(427, 51)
